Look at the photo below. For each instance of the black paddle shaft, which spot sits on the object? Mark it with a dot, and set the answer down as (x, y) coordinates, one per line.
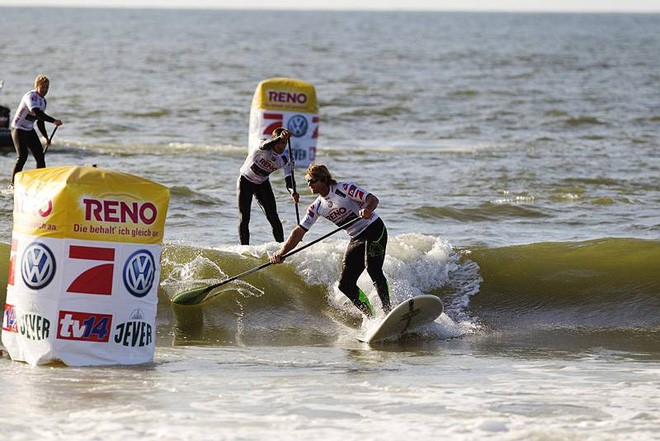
(210, 288)
(50, 139)
(293, 177)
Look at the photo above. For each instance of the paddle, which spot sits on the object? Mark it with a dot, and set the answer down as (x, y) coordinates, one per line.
(192, 296)
(50, 139)
(293, 178)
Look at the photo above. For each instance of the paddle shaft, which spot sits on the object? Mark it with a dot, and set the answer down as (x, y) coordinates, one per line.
(293, 178)
(50, 139)
(290, 253)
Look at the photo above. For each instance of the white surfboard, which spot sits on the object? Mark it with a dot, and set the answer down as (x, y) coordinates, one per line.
(407, 316)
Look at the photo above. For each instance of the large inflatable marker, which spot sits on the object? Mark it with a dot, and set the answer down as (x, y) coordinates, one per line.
(84, 267)
(288, 103)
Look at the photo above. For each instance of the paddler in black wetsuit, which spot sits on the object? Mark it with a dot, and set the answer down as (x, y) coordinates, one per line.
(31, 108)
(341, 202)
(253, 181)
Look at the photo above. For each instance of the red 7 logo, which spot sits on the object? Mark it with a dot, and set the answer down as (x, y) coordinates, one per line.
(279, 119)
(315, 120)
(98, 279)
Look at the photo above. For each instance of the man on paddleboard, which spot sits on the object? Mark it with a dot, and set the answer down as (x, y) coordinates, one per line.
(31, 109)
(253, 181)
(341, 202)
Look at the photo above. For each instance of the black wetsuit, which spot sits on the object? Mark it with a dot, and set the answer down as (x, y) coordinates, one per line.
(253, 182)
(264, 194)
(25, 138)
(366, 250)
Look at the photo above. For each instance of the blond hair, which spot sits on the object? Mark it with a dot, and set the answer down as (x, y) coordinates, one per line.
(320, 172)
(41, 79)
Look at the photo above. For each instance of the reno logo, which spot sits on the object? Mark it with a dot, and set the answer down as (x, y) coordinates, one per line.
(297, 125)
(268, 166)
(34, 202)
(337, 214)
(139, 273)
(282, 97)
(37, 266)
(108, 210)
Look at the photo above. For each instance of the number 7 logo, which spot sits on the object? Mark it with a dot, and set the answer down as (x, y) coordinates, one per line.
(95, 280)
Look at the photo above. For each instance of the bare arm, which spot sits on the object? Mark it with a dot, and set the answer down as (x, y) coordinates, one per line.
(294, 239)
(369, 207)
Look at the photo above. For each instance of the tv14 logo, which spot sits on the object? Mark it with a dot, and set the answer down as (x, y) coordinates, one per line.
(84, 326)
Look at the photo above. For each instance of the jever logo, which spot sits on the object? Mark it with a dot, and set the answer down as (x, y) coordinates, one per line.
(33, 326)
(139, 273)
(137, 332)
(37, 266)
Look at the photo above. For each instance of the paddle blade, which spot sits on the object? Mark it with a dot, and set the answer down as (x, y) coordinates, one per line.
(193, 296)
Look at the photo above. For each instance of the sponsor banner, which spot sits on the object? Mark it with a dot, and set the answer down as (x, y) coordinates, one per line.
(82, 301)
(40, 334)
(288, 103)
(28, 328)
(89, 203)
(104, 336)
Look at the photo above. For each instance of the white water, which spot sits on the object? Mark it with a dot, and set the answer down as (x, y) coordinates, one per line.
(344, 393)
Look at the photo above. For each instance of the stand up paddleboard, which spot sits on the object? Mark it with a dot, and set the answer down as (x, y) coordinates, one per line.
(407, 316)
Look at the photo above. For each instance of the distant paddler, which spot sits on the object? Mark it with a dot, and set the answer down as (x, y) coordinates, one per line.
(32, 108)
(253, 181)
(340, 202)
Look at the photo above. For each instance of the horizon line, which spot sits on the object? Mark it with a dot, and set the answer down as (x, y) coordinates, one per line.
(564, 6)
(338, 9)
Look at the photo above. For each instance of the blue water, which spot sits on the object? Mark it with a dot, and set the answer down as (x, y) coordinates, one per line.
(516, 157)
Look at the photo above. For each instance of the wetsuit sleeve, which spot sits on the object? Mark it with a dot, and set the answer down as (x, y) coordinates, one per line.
(289, 182)
(41, 116)
(42, 128)
(268, 144)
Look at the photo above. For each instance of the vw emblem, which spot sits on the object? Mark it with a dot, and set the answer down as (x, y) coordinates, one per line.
(297, 125)
(37, 266)
(139, 273)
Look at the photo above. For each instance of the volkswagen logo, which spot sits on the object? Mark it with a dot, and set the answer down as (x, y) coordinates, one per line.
(297, 125)
(37, 266)
(139, 273)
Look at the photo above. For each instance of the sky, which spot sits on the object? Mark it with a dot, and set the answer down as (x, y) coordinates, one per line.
(443, 5)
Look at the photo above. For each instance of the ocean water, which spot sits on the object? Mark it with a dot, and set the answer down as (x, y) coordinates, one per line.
(516, 158)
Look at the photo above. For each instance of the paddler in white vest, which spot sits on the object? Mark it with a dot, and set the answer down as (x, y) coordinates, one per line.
(341, 202)
(31, 108)
(253, 182)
